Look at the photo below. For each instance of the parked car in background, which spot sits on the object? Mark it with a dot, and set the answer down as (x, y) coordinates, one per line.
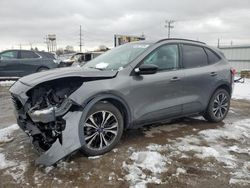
(18, 63)
(79, 58)
(129, 86)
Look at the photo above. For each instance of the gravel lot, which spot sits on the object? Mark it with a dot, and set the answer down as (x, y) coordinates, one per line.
(188, 152)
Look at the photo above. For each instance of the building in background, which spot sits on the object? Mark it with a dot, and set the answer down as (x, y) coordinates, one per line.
(123, 39)
(238, 56)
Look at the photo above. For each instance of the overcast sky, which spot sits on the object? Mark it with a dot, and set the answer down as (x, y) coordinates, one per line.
(28, 21)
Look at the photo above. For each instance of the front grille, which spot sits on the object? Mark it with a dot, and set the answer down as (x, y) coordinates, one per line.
(18, 105)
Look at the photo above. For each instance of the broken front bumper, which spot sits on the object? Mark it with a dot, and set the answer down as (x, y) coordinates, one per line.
(72, 135)
(71, 141)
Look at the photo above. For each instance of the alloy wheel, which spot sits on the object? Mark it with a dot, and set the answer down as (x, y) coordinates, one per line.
(100, 130)
(220, 106)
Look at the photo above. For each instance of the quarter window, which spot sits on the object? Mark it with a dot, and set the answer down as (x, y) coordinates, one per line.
(28, 55)
(9, 55)
(165, 57)
(193, 56)
(212, 57)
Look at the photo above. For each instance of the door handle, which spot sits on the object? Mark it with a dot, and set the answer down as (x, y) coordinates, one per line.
(213, 74)
(174, 79)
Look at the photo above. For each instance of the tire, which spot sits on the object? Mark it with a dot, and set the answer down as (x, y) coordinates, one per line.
(99, 135)
(41, 69)
(218, 106)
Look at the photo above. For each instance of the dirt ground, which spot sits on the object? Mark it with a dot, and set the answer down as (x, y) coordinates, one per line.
(180, 145)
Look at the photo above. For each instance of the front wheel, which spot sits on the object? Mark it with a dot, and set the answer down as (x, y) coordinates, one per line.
(102, 129)
(41, 69)
(218, 106)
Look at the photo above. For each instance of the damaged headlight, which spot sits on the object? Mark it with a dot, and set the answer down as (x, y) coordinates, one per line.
(50, 113)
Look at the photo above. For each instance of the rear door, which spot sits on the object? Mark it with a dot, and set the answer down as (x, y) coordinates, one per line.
(200, 78)
(29, 62)
(8, 63)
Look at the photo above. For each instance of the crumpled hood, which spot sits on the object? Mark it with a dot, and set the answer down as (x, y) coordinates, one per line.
(37, 78)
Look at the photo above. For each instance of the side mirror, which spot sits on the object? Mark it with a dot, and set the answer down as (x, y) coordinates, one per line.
(146, 69)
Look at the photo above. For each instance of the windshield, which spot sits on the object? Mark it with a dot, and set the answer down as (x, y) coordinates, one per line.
(118, 57)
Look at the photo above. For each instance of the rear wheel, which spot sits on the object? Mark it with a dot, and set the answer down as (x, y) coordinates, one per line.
(218, 106)
(102, 129)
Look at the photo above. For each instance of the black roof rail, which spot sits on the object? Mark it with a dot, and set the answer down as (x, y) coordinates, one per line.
(188, 40)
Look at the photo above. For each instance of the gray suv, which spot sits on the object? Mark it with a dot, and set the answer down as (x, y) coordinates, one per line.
(135, 84)
(18, 63)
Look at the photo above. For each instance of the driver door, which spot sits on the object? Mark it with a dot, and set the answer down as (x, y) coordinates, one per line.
(8, 64)
(158, 96)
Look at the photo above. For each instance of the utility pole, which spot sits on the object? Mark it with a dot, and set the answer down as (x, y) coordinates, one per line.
(80, 39)
(169, 26)
(218, 43)
(31, 48)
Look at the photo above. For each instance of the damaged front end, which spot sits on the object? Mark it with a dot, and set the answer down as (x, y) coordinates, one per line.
(49, 117)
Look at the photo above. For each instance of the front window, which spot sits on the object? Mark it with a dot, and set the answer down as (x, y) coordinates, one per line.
(9, 55)
(118, 57)
(165, 57)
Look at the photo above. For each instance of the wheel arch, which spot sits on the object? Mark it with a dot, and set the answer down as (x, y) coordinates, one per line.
(118, 102)
(42, 67)
(224, 86)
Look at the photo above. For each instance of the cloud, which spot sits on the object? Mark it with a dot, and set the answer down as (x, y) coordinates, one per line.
(29, 21)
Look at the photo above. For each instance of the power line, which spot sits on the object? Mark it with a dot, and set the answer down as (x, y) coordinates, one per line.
(169, 26)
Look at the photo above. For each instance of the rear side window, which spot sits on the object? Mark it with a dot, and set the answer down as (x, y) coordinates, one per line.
(193, 56)
(28, 55)
(212, 57)
(47, 55)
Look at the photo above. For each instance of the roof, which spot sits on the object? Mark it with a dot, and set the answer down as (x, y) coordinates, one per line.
(168, 39)
(180, 39)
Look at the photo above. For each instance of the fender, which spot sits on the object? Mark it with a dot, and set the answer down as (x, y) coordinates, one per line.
(101, 96)
(219, 84)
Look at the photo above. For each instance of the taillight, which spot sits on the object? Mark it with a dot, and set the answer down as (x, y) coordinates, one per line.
(233, 71)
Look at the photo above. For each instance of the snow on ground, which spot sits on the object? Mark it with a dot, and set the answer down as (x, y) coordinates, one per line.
(242, 90)
(17, 170)
(95, 157)
(4, 163)
(5, 133)
(218, 146)
(7, 83)
(221, 145)
(13, 168)
(145, 167)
